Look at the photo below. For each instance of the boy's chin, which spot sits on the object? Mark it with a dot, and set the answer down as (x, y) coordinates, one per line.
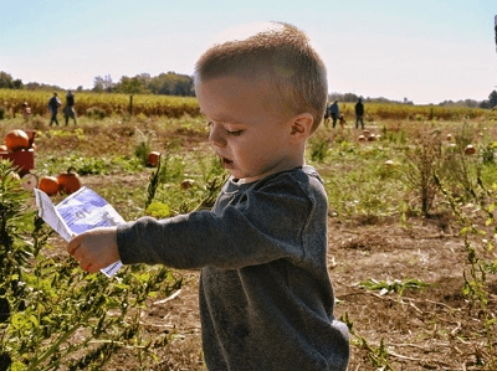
(244, 178)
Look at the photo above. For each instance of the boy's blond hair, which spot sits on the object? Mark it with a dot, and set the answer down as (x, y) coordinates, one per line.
(280, 56)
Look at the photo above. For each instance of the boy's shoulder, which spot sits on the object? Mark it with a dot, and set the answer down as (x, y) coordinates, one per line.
(305, 173)
(303, 180)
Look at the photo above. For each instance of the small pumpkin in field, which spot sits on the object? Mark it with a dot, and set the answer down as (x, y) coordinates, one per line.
(187, 184)
(469, 150)
(49, 185)
(153, 158)
(69, 182)
(16, 139)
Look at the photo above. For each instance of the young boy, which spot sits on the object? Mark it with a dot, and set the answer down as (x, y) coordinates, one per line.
(266, 301)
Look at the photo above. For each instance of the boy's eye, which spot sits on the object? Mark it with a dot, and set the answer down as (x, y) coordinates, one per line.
(229, 132)
(234, 132)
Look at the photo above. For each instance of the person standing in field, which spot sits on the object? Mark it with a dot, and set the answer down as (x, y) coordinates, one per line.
(266, 300)
(334, 113)
(69, 111)
(359, 114)
(53, 105)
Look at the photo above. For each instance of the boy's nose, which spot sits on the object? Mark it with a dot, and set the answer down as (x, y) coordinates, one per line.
(216, 137)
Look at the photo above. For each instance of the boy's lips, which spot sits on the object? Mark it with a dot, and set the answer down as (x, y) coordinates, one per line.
(227, 163)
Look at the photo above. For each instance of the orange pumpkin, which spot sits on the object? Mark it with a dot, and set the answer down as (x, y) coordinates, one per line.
(470, 150)
(69, 182)
(49, 185)
(16, 139)
(153, 158)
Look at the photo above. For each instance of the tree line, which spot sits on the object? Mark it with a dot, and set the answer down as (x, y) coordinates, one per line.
(8, 82)
(489, 103)
(169, 83)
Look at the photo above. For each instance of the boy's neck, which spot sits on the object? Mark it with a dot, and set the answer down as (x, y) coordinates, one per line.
(289, 164)
(243, 181)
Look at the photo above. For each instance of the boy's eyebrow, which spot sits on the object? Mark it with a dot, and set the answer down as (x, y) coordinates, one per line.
(223, 119)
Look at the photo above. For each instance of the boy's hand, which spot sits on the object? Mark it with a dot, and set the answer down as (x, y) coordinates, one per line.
(95, 249)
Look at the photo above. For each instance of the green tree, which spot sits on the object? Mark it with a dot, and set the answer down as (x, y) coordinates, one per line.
(5, 80)
(103, 84)
(492, 99)
(133, 85)
(173, 84)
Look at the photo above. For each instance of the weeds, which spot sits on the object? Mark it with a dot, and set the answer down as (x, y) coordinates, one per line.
(153, 184)
(378, 356)
(423, 162)
(481, 259)
(319, 149)
(392, 286)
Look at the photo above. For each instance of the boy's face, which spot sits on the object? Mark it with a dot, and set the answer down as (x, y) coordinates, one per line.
(247, 132)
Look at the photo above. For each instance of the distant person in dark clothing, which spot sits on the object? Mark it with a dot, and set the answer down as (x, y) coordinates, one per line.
(69, 111)
(53, 105)
(359, 114)
(334, 113)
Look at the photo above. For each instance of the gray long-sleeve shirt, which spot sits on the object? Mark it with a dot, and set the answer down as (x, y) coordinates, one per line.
(266, 301)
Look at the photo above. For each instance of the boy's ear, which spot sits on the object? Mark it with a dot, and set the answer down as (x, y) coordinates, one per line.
(301, 126)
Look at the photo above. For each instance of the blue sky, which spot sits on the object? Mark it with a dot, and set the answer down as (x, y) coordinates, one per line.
(427, 51)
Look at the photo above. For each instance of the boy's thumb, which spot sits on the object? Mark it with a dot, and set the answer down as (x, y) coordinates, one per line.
(73, 244)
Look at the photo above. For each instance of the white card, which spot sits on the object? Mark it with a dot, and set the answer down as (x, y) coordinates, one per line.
(79, 212)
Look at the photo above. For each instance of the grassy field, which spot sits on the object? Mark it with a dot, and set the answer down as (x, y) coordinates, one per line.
(113, 103)
(411, 241)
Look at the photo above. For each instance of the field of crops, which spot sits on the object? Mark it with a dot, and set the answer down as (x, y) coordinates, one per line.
(412, 236)
(107, 103)
(113, 103)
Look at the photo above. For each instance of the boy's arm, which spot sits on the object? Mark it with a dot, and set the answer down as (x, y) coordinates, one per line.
(266, 227)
